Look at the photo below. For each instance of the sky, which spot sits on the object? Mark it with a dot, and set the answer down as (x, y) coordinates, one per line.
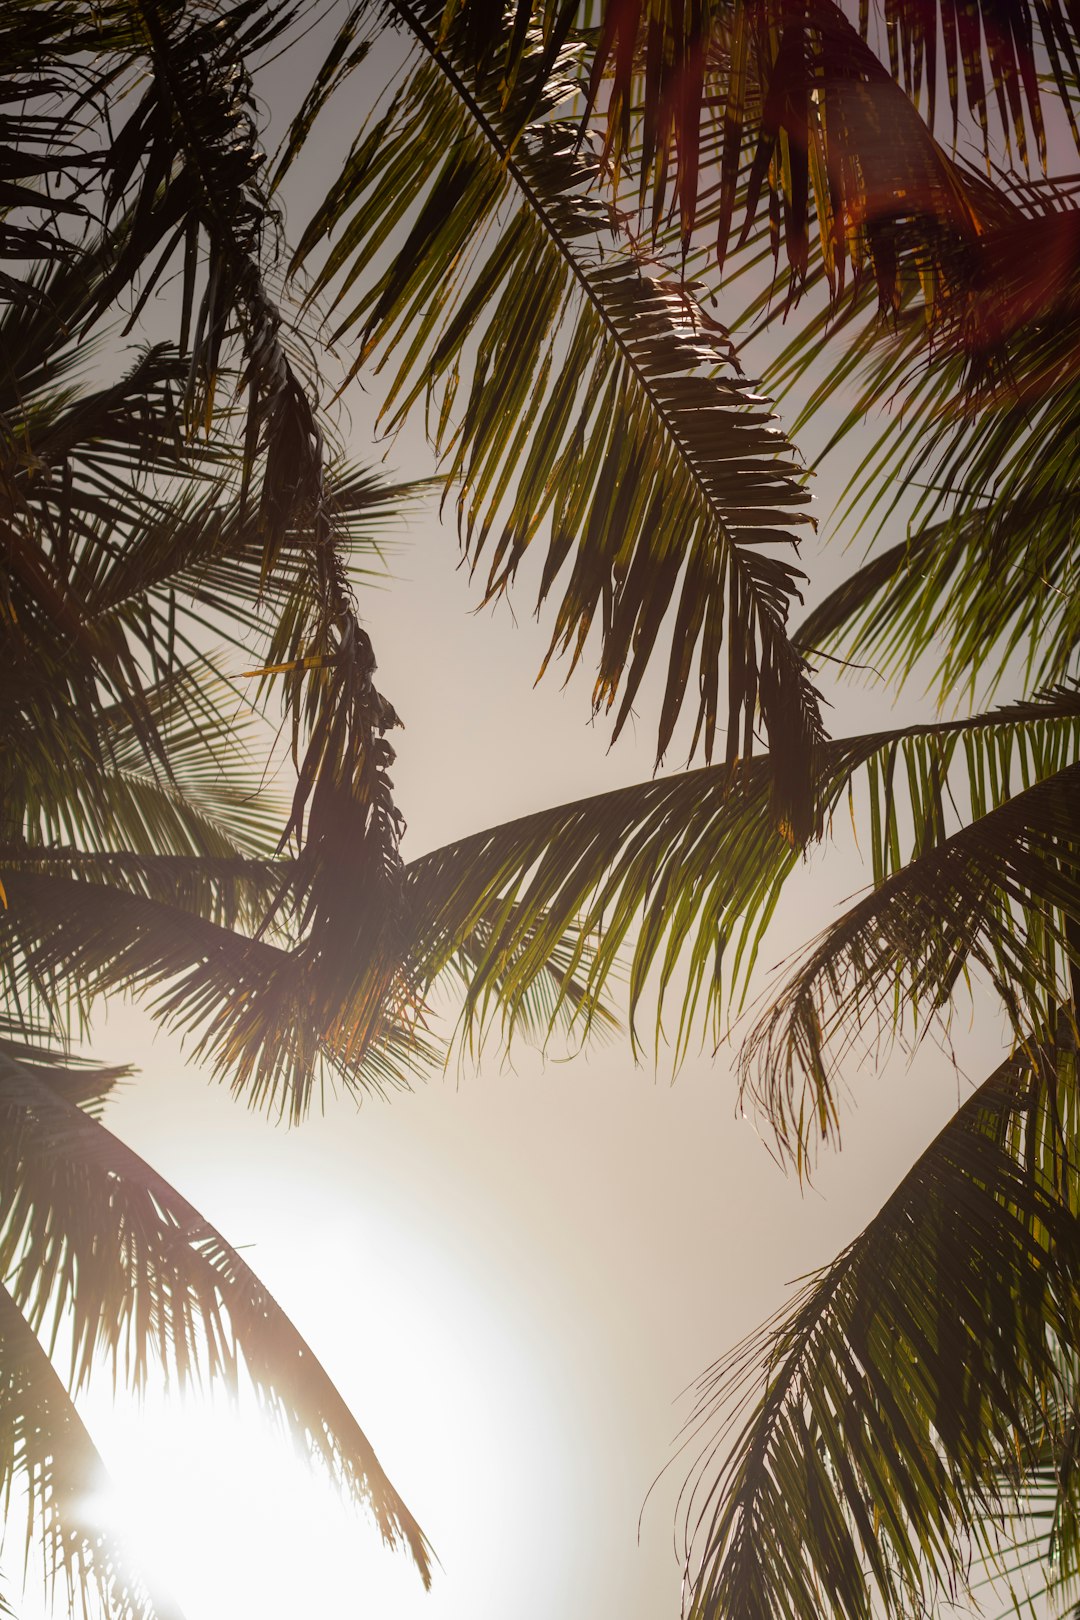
(513, 1274)
(516, 1272)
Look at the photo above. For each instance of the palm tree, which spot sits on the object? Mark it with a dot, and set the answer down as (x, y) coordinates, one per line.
(922, 1389)
(545, 292)
(146, 519)
(132, 854)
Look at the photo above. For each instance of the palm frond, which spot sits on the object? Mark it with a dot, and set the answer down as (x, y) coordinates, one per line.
(273, 1021)
(1036, 1550)
(46, 165)
(692, 865)
(95, 1240)
(182, 173)
(995, 582)
(869, 1437)
(723, 114)
(569, 387)
(263, 1008)
(43, 1441)
(982, 436)
(79, 1080)
(998, 895)
(197, 794)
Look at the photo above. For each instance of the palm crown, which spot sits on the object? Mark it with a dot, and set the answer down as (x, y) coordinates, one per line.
(525, 238)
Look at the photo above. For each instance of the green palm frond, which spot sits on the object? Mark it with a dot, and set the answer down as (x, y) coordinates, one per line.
(211, 801)
(198, 794)
(984, 438)
(995, 582)
(74, 456)
(43, 1441)
(182, 180)
(870, 1436)
(94, 1241)
(181, 175)
(1037, 1549)
(273, 1021)
(271, 1017)
(568, 387)
(104, 612)
(999, 895)
(684, 871)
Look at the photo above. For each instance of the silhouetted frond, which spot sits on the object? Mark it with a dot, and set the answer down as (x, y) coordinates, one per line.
(43, 1443)
(684, 872)
(94, 1239)
(576, 394)
(997, 894)
(865, 1443)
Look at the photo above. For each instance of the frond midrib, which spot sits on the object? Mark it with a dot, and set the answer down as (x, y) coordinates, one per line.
(627, 358)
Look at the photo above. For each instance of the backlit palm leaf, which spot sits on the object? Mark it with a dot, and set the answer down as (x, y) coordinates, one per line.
(569, 388)
(91, 614)
(998, 895)
(685, 871)
(787, 111)
(181, 176)
(78, 1080)
(996, 581)
(267, 1018)
(869, 1436)
(95, 1242)
(718, 110)
(271, 1018)
(985, 441)
(43, 1443)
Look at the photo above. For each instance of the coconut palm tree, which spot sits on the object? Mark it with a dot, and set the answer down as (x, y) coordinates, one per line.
(133, 854)
(147, 520)
(525, 234)
(922, 1389)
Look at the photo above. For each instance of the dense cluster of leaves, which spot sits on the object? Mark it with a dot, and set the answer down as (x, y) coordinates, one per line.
(525, 239)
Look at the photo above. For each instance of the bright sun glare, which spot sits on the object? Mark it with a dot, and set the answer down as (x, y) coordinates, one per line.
(223, 1514)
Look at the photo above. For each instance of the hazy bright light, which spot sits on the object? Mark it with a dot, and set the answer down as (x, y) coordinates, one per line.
(444, 1372)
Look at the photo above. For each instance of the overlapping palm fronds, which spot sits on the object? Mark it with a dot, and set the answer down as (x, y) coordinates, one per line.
(881, 1431)
(985, 571)
(135, 528)
(783, 118)
(570, 387)
(589, 407)
(182, 176)
(999, 894)
(689, 868)
(826, 128)
(975, 591)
